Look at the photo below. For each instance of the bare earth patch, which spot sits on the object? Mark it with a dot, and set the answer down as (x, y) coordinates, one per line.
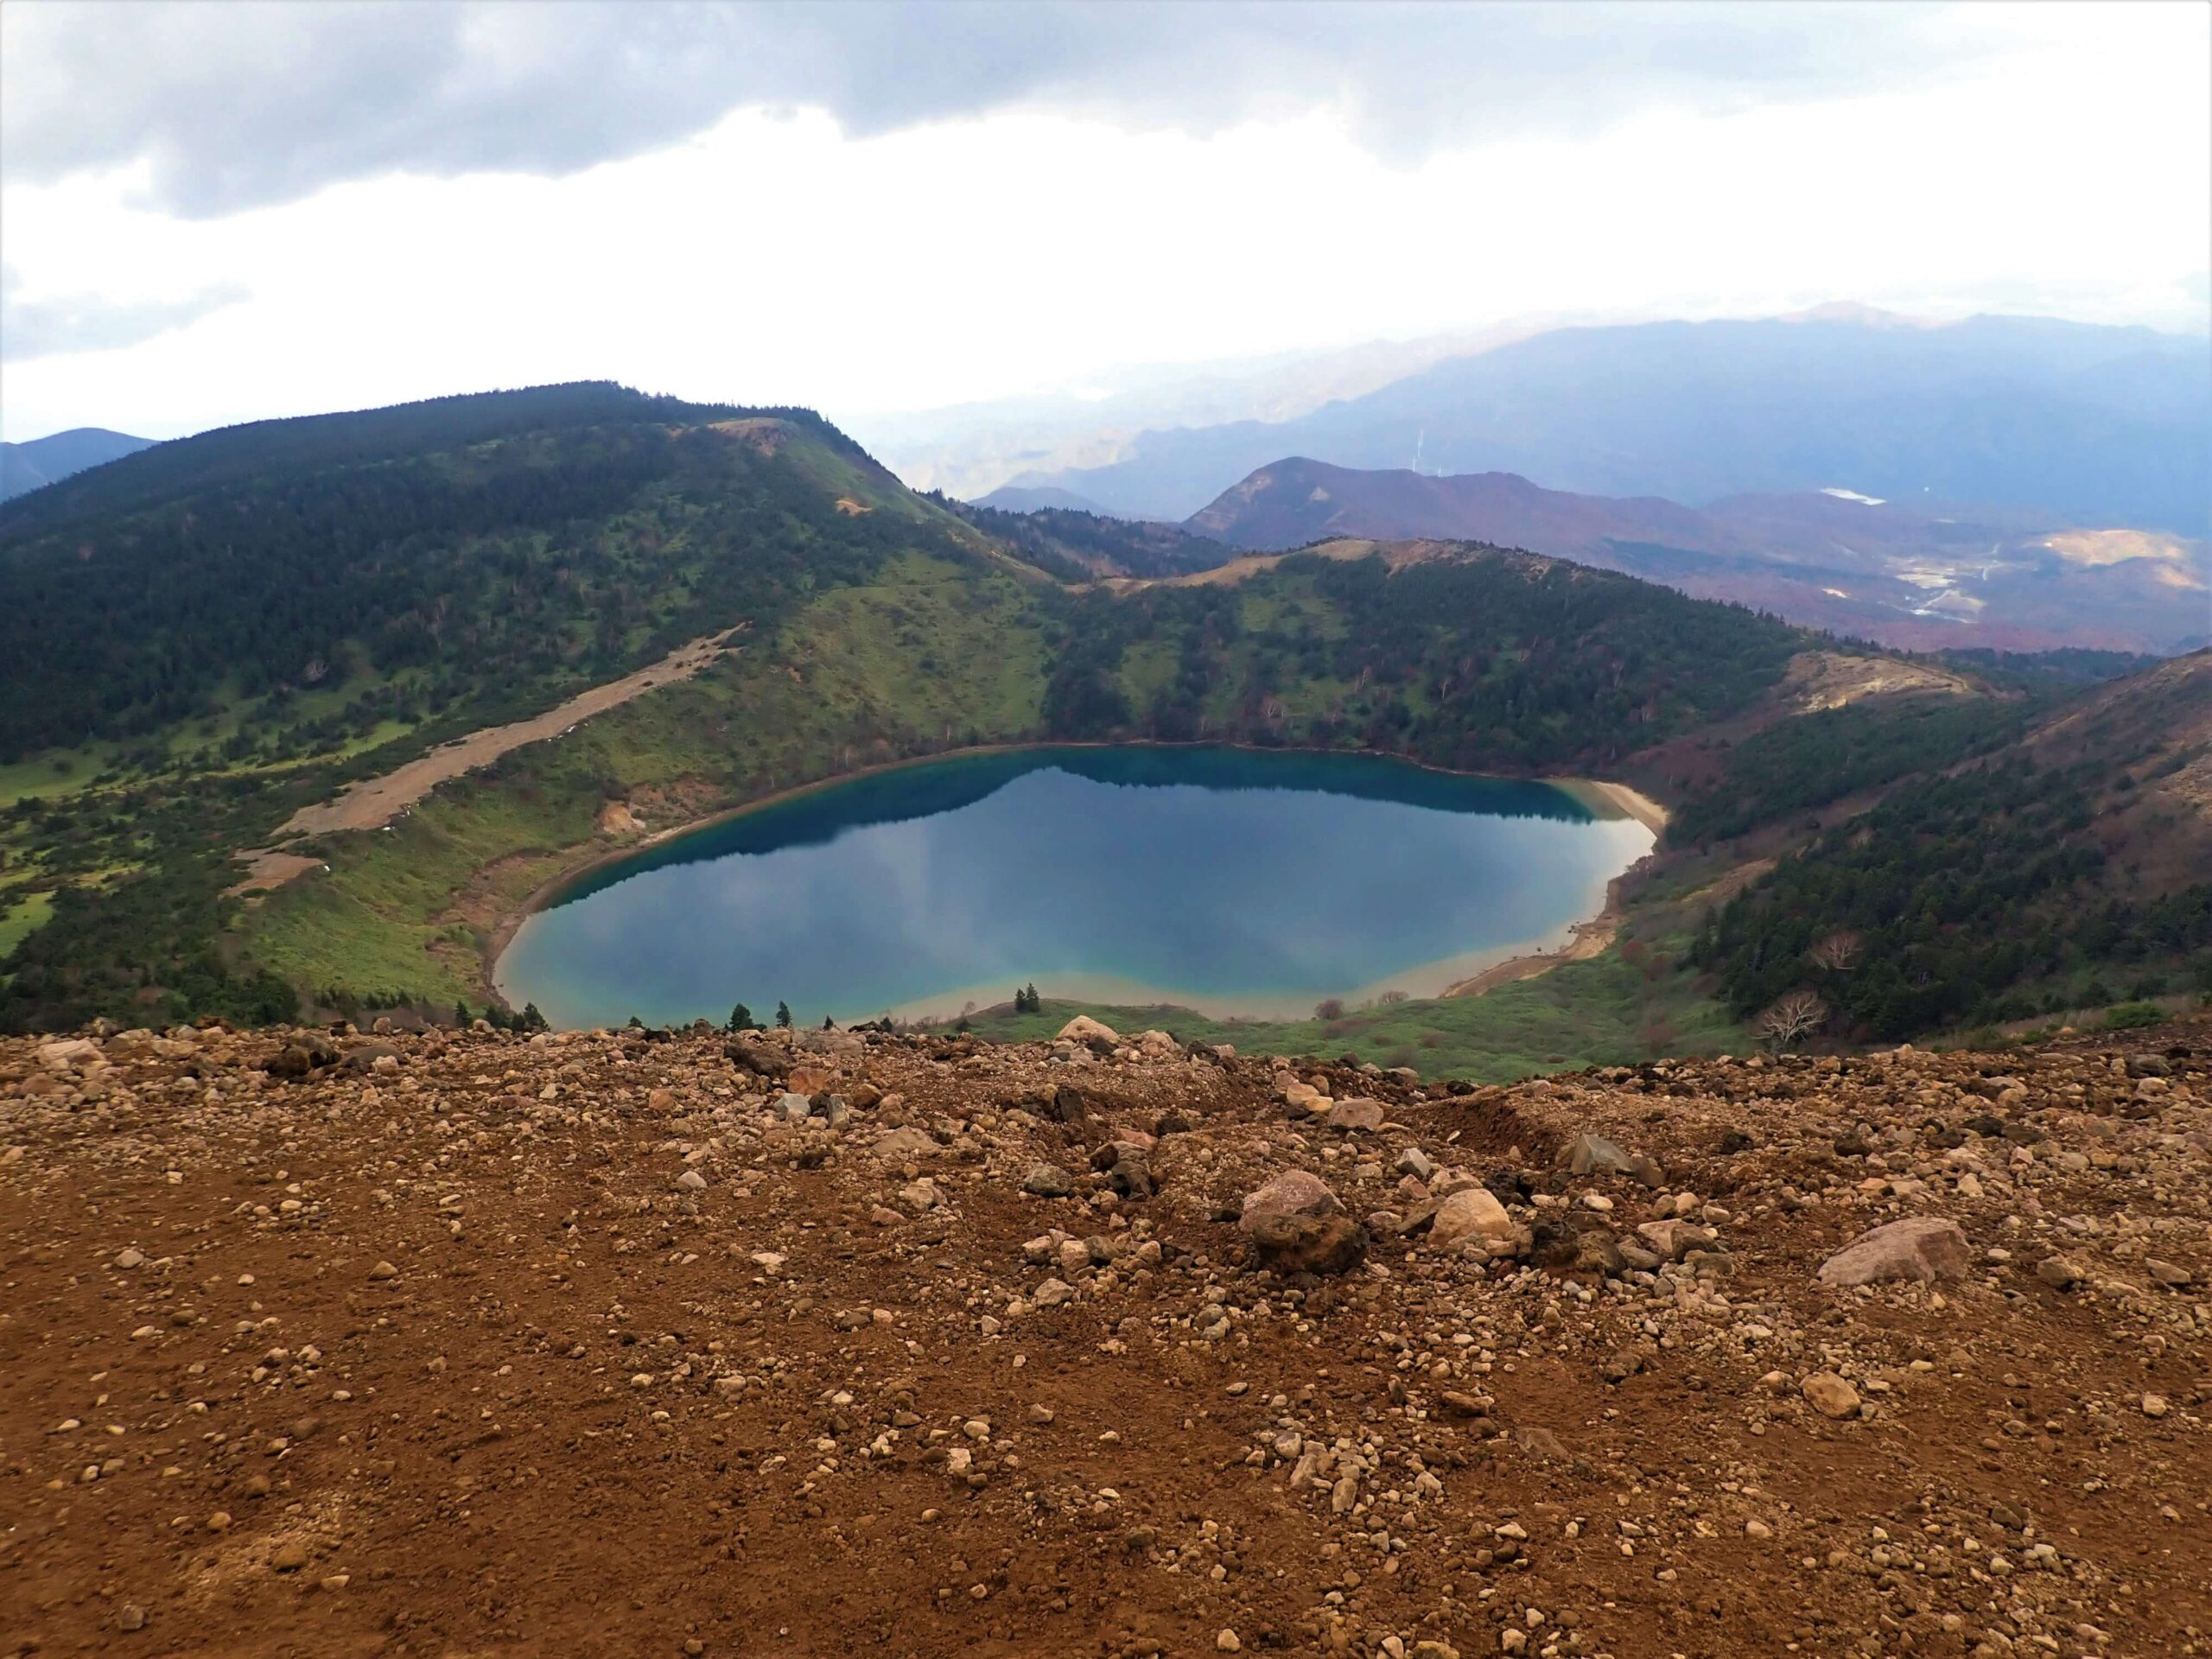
(375, 802)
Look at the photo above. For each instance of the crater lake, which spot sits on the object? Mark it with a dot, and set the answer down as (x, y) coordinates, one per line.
(1231, 882)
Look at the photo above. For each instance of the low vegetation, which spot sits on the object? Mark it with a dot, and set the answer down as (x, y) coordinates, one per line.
(232, 629)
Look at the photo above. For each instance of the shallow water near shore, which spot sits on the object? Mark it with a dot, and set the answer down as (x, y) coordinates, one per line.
(1232, 881)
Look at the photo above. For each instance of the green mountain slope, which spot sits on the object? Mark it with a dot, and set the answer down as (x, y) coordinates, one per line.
(225, 638)
(202, 638)
(2019, 859)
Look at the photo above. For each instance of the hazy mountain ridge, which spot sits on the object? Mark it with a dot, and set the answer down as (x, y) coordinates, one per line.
(41, 461)
(1896, 572)
(2100, 424)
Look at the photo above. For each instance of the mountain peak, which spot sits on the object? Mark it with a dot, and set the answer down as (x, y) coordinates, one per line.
(1864, 316)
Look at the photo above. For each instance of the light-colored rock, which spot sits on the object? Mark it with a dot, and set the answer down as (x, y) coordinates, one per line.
(904, 1144)
(1047, 1181)
(1675, 1239)
(1294, 1193)
(1470, 1212)
(1830, 1396)
(1920, 1248)
(1084, 1029)
(1355, 1113)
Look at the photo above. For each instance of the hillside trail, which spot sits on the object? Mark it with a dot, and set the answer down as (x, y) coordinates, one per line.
(374, 802)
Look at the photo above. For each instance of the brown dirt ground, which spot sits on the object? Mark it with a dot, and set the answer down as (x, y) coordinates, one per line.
(590, 1410)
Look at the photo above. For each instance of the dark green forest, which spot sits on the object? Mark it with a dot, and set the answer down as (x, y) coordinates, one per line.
(1075, 546)
(1502, 661)
(1797, 766)
(493, 577)
(1978, 897)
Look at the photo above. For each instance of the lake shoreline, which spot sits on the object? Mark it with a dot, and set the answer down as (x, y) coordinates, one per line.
(1603, 798)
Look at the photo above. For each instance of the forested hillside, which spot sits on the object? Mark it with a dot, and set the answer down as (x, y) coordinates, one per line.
(474, 554)
(1486, 660)
(219, 639)
(204, 637)
(2024, 861)
(1077, 546)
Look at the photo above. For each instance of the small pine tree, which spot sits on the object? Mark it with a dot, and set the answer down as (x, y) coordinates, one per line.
(741, 1018)
(636, 1024)
(828, 1024)
(460, 1015)
(531, 1019)
(1036, 1002)
(783, 1016)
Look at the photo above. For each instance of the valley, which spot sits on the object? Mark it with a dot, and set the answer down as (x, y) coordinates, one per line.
(880, 627)
(1407, 855)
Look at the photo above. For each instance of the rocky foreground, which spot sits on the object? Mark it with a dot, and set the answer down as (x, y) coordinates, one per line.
(631, 1343)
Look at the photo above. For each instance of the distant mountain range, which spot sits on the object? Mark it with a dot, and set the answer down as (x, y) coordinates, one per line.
(2092, 424)
(1013, 499)
(27, 467)
(2016, 579)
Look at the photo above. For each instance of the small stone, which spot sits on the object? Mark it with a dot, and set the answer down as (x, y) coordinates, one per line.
(2154, 1405)
(2058, 1273)
(1356, 1115)
(692, 1181)
(131, 1617)
(383, 1271)
(1294, 1193)
(290, 1557)
(1227, 1642)
(1830, 1395)
(219, 1522)
(131, 1259)
(1047, 1181)
(1416, 1163)
(1471, 1212)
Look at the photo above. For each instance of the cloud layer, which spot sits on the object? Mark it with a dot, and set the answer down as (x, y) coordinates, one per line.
(87, 323)
(232, 107)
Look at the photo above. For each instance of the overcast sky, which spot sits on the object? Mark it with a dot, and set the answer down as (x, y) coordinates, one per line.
(213, 213)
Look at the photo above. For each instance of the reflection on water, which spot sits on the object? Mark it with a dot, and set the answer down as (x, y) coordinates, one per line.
(1231, 880)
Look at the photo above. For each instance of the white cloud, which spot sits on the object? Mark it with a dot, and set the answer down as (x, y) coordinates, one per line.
(781, 258)
(91, 322)
(234, 107)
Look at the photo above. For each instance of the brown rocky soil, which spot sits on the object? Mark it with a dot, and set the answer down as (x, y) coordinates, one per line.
(469, 1345)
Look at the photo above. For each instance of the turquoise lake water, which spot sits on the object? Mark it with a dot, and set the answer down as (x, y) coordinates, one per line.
(1228, 881)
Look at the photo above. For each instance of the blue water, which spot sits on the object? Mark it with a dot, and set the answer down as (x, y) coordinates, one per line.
(1228, 881)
